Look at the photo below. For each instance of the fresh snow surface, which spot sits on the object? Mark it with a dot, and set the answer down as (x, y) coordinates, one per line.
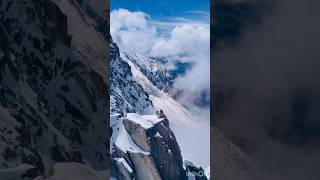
(146, 121)
(124, 141)
(125, 164)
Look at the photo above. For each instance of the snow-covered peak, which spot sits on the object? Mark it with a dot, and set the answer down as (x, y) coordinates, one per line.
(146, 121)
(122, 140)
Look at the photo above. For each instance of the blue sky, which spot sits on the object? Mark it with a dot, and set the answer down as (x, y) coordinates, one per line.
(164, 9)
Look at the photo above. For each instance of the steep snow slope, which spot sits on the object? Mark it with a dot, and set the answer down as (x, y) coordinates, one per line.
(122, 140)
(158, 71)
(160, 99)
(192, 134)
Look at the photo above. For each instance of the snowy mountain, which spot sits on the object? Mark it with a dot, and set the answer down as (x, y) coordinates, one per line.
(143, 146)
(161, 72)
(53, 89)
(158, 72)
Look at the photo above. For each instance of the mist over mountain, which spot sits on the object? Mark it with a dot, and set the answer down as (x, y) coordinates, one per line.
(156, 132)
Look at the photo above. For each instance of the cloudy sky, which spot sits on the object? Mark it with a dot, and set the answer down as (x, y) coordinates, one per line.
(168, 29)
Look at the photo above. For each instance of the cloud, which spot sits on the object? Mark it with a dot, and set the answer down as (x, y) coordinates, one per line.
(131, 31)
(178, 38)
(271, 90)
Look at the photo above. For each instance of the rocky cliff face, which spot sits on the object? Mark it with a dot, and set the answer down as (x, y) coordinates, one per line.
(155, 153)
(155, 69)
(53, 87)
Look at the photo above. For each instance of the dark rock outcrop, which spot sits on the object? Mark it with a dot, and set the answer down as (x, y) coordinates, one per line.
(138, 134)
(53, 100)
(166, 151)
(164, 160)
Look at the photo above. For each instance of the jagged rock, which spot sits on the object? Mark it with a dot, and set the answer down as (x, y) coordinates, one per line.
(120, 171)
(166, 151)
(144, 167)
(161, 156)
(138, 134)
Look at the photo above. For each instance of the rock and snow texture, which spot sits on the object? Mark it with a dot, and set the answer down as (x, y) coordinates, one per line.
(143, 146)
(184, 124)
(53, 87)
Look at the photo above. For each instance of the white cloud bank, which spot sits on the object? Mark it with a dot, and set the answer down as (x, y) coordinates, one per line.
(136, 32)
